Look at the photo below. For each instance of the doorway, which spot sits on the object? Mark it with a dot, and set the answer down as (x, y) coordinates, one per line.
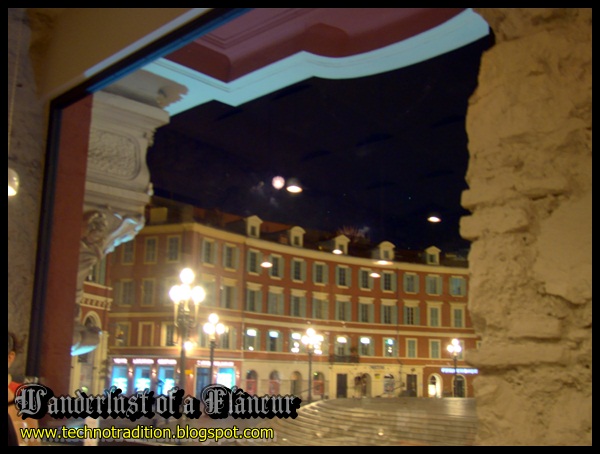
(411, 385)
(341, 388)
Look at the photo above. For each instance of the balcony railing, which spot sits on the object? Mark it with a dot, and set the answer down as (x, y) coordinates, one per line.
(343, 359)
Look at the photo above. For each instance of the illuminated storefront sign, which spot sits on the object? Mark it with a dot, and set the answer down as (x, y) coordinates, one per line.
(204, 363)
(142, 361)
(459, 370)
(166, 361)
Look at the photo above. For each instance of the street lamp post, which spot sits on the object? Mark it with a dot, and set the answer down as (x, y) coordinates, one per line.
(313, 341)
(213, 328)
(454, 349)
(185, 316)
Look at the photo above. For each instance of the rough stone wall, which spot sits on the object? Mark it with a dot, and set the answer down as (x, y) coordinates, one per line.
(530, 194)
(26, 124)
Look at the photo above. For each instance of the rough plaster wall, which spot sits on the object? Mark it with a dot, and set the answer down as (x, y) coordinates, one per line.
(530, 194)
(25, 155)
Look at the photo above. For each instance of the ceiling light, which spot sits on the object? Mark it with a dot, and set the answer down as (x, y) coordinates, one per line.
(294, 186)
(278, 182)
(13, 182)
(383, 262)
(434, 218)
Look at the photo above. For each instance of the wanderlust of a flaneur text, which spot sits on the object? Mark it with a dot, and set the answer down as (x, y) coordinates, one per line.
(35, 400)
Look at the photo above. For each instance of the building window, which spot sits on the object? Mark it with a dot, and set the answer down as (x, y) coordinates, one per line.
(147, 292)
(173, 248)
(434, 317)
(411, 315)
(251, 339)
(366, 346)
(253, 262)
(320, 309)
(295, 342)
(458, 286)
(343, 311)
(411, 283)
(253, 300)
(277, 269)
(390, 347)
(98, 272)
(389, 314)
(127, 292)
(365, 312)
(209, 251)
(320, 273)
(230, 257)
(225, 338)
(170, 335)
(343, 276)
(458, 317)
(150, 247)
(435, 349)
(411, 348)
(211, 293)
(366, 281)
(388, 282)
(274, 341)
(342, 346)
(433, 285)
(228, 297)
(298, 270)
(275, 303)
(298, 306)
(122, 335)
(146, 334)
(128, 252)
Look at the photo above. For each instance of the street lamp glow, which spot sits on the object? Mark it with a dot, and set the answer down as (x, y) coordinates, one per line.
(188, 345)
(454, 349)
(198, 294)
(312, 341)
(187, 276)
(175, 294)
(185, 318)
(213, 319)
(213, 328)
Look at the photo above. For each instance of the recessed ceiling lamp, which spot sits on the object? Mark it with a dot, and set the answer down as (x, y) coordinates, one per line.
(383, 262)
(13, 182)
(294, 186)
(434, 218)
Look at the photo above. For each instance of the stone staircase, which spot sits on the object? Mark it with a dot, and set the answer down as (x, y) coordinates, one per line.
(378, 421)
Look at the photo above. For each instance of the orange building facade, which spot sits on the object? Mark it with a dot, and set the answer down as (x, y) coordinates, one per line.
(385, 318)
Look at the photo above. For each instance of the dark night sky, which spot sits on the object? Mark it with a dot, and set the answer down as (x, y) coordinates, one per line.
(376, 153)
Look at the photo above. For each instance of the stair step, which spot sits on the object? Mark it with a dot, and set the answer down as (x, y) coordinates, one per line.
(373, 422)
